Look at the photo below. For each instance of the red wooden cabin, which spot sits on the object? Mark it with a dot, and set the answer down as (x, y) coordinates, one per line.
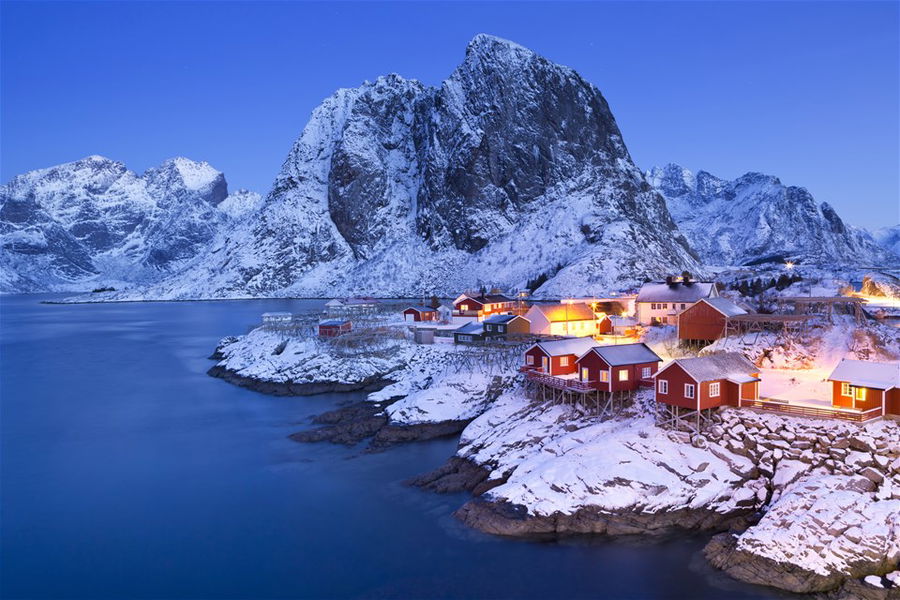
(618, 368)
(420, 313)
(708, 381)
(706, 319)
(866, 385)
(334, 327)
(557, 357)
(482, 306)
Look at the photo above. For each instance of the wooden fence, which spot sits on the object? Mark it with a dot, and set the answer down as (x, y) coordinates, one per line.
(812, 411)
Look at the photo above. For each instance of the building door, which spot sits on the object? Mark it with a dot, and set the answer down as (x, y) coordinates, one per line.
(545, 364)
(410, 318)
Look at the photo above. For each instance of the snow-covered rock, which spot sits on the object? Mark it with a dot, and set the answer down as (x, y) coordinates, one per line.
(757, 219)
(889, 238)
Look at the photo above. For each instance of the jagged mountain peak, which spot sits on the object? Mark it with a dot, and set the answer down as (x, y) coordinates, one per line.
(755, 217)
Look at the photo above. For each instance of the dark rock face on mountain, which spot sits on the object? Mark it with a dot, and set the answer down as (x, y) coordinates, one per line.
(513, 168)
(755, 218)
(93, 220)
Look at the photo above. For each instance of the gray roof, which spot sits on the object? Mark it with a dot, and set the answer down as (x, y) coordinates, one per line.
(725, 306)
(723, 365)
(576, 346)
(677, 292)
(621, 321)
(501, 319)
(472, 328)
(626, 354)
(867, 373)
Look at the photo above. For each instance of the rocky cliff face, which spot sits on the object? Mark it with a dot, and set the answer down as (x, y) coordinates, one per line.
(93, 221)
(513, 168)
(755, 219)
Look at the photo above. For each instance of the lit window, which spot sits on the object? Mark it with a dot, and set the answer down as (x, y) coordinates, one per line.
(604, 376)
(645, 373)
(860, 393)
(845, 389)
(529, 360)
(714, 389)
(663, 386)
(689, 390)
(564, 361)
(623, 375)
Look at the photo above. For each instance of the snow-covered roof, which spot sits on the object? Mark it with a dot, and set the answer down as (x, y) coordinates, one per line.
(737, 378)
(276, 315)
(867, 373)
(622, 321)
(724, 306)
(422, 308)
(484, 298)
(566, 346)
(565, 312)
(676, 292)
(724, 365)
(334, 322)
(473, 328)
(501, 319)
(625, 354)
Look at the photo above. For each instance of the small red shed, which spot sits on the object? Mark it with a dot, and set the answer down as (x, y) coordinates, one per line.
(866, 385)
(334, 327)
(708, 382)
(557, 357)
(618, 368)
(705, 320)
(420, 313)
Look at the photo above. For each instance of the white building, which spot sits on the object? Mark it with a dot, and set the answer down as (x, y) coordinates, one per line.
(577, 320)
(660, 303)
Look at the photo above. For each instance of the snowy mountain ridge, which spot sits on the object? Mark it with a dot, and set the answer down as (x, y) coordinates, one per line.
(756, 219)
(94, 222)
(513, 169)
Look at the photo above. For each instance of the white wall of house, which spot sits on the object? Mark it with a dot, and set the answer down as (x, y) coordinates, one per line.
(663, 312)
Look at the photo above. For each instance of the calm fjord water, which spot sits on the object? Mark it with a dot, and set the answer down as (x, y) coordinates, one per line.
(127, 472)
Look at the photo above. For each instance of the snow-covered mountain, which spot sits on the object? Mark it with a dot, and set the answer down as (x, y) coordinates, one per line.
(94, 222)
(888, 237)
(756, 219)
(513, 168)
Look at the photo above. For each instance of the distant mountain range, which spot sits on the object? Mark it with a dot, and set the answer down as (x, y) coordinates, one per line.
(757, 219)
(512, 172)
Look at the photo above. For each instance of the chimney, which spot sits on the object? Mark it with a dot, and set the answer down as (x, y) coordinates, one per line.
(671, 280)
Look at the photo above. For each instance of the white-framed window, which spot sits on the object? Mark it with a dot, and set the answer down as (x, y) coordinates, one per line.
(645, 373)
(653, 306)
(845, 389)
(585, 374)
(465, 338)
(529, 359)
(604, 376)
(663, 386)
(564, 361)
(665, 320)
(714, 389)
(859, 393)
(623, 375)
(665, 306)
(689, 390)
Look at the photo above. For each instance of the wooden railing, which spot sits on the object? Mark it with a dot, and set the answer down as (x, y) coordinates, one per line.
(812, 411)
(561, 383)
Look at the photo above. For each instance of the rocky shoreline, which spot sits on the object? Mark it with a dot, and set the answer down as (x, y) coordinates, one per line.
(805, 506)
(290, 388)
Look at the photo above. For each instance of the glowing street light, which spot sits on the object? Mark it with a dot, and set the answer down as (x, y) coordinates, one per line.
(788, 265)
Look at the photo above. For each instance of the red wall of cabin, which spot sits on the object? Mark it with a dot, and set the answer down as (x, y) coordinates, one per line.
(700, 321)
(594, 363)
(677, 377)
(893, 402)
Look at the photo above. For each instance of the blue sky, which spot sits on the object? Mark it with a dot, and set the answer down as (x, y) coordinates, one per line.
(807, 91)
